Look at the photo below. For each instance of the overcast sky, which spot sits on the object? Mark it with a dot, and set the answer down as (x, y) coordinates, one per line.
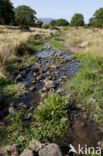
(61, 8)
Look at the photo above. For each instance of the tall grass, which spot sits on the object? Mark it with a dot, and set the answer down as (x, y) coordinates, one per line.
(11, 39)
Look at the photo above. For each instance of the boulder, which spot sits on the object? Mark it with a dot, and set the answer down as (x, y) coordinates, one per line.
(83, 44)
(35, 145)
(28, 116)
(12, 149)
(12, 111)
(27, 152)
(21, 138)
(49, 84)
(32, 88)
(50, 150)
(92, 100)
(22, 85)
(21, 93)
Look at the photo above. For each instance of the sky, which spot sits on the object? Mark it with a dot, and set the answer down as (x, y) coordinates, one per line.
(61, 8)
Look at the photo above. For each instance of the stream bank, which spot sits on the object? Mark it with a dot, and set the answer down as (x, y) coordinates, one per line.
(47, 75)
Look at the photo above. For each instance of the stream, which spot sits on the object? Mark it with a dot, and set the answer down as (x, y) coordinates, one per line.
(52, 69)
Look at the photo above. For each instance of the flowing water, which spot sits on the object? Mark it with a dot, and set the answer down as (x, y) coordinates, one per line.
(54, 65)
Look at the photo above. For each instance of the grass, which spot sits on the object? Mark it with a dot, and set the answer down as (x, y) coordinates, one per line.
(13, 41)
(46, 124)
(9, 91)
(55, 44)
(87, 85)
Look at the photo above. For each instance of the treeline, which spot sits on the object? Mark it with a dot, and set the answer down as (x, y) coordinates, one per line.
(24, 16)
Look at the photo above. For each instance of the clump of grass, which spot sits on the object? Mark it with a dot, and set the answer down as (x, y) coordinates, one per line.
(46, 123)
(55, 44)
(9, 91)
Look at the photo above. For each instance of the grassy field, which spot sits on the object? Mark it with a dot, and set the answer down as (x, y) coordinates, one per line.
(13, 39)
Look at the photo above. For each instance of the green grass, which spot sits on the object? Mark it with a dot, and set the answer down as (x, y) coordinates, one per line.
(88, 83)
(9, 91)
(46, 123)
(31, 46)
(55, 44)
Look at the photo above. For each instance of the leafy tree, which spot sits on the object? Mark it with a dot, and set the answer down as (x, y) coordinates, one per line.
(6, 12)
(62, 22)
(97, 19)
(59, 22)
(39, 24)
(45, 26)
(25, 16)
(53, 23)
(91, 22)
(77, 20)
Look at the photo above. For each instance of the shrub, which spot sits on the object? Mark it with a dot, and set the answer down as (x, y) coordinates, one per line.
(77, 20)
(45, 26)
(59, 22)
(39, 24)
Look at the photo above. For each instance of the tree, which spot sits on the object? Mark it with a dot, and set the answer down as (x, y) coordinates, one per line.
(59, 22)
(53, 23)
(77, 20)
(6, 12)
(91, 22)
(38, 24)
(25, 16)
(62, 22)
(97, 19)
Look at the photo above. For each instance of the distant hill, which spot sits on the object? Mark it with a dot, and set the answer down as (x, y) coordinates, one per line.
(45, 20)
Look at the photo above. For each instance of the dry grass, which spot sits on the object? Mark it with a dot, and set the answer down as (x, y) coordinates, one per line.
(94, 37)
(11, 38)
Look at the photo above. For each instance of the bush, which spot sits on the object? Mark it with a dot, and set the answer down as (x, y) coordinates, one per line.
(59, 22)
(77, 20)
(39, 24)
(45, 26)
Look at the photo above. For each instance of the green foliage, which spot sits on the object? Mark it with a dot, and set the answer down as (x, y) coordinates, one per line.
(39, 24)
(87, 84)
(6, 12)
(52, 109)
(55, 44)
(97, 19)
(46, 123)
(77, 20)
(32, 45)
(45, 26)
(59, 22)
(9, 91)
(25, 16)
